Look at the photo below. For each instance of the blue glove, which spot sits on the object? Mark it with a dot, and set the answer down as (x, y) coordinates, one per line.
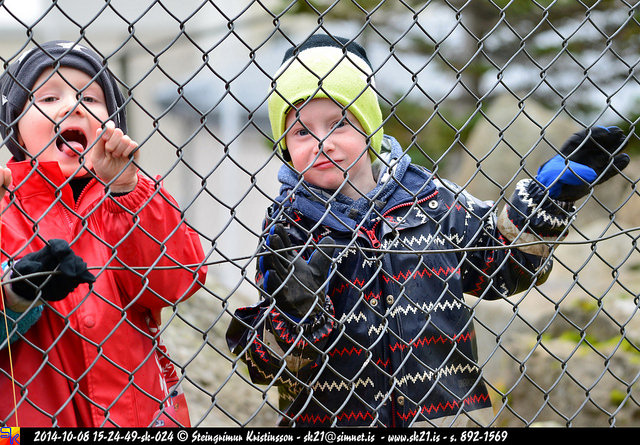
(588, 158)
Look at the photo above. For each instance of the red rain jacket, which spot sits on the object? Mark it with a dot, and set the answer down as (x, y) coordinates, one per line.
(95, 357)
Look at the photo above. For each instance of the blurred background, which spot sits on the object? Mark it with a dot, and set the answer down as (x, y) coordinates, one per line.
(481, 92)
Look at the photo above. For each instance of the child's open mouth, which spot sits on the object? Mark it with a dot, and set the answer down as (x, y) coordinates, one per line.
(72, 142)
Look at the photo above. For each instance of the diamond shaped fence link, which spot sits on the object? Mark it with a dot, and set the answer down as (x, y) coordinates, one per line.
(479, 93)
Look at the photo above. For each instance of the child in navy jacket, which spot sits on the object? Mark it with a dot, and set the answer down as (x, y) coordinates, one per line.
(366, 256)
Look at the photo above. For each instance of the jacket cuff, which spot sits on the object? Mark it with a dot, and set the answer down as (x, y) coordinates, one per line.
(12, 301)
(24, 321)
(21, 311)
(134, 200)
(531, 216)
(307, 336)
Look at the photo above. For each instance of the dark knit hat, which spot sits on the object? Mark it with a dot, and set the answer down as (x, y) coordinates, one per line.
(19, 78)
(326, 67)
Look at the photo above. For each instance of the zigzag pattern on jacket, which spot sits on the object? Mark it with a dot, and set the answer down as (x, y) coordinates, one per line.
(400, 345)
(425, 308)
(366, 262)
(316, 419)
(438, 373)
(409, 242)
(437, 239)
(334, 385)
(427, 340)
(429, 272)
(257, 347)
(356, 283)
(268, 376)
(282, 328)
(357, 351)
(339, 386)
(429, 376)
(482, 278)
(377, 329)
(522, 189)
(447, 406)
(350, 416)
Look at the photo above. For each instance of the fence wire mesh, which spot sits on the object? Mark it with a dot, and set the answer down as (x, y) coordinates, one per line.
(480, 93)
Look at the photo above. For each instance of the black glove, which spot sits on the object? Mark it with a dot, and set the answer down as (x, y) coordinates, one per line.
(587, 159)
(70, 271)
(300, 292)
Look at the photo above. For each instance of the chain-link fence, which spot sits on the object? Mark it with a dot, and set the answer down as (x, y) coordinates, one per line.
(480, 93)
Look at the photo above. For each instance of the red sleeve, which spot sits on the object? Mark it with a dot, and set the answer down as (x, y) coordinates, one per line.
(148, 233)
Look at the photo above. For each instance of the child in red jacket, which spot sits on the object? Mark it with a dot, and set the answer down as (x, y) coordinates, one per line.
(83, 348)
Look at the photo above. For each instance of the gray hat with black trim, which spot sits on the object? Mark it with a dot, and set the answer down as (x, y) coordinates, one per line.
(19, 78)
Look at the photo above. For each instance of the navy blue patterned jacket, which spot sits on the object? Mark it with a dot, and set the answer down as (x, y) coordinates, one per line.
(395, 342)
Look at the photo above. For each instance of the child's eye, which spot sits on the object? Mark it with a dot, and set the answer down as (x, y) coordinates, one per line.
(89, 99)
(302, 132)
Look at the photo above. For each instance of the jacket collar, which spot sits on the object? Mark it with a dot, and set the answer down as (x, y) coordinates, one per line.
(47, 178)
(398, 182)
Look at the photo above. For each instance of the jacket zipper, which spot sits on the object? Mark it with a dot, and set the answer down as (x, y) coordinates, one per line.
(83, 192)
(75, 206)
(371, 233)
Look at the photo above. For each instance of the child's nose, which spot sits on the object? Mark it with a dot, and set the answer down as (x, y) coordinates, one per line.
(70, 104)
(328, 143)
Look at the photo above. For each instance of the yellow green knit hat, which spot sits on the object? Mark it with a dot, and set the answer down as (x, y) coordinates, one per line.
(326, 67)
